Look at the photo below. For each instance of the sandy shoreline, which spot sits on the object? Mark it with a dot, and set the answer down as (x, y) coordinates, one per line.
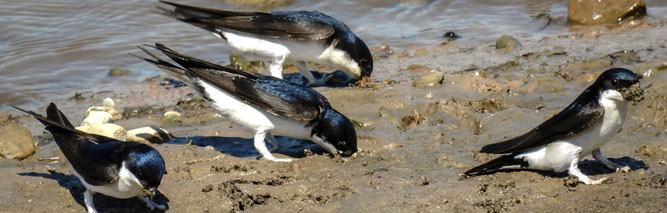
(415, 142)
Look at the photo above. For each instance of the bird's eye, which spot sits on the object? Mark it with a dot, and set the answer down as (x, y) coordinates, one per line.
(614, 82)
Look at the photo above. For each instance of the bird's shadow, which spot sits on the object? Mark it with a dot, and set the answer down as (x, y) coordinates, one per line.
(102, 202)
(588, 167)
(593, 167)
(244, 147)
(334, 79)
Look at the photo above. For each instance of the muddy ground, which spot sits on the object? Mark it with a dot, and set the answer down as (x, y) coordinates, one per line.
(415, 142)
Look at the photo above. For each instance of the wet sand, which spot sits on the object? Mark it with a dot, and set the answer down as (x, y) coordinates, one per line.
(415, 142)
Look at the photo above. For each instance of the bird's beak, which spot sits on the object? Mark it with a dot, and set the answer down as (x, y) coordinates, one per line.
(150, 192)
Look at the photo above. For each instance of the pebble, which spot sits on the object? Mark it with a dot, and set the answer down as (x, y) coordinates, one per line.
(106, 129)
(429, 80)
(507, 41)
(15, 141)
(116, 72)
(96, 117)
(173, 116)
(149, 134)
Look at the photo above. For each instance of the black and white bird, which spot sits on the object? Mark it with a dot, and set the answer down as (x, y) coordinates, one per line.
(105, 165)
(299, 36)
(580, 129)
(265, 104)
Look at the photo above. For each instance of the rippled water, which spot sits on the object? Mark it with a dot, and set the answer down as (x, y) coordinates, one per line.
(55, 48)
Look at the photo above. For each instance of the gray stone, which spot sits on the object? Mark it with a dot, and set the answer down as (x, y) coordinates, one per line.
(115, 72)
(429, 80)
(507, 41)
(15, 141)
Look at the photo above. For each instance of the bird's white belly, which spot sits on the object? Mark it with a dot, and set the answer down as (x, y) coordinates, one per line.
(266, 48)
(127, 185)
(557, 155)
(246, 115)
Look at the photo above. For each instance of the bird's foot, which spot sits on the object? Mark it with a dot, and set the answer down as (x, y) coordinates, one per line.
(624, 169)
(596, 182)
(280, 159)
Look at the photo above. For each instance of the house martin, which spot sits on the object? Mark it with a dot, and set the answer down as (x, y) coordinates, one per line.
(580, 129)
(105, 165)
(299, 36)
(265, 104)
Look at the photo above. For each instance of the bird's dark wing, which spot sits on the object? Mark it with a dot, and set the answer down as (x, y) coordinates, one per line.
(271, 94)
(92, 156)
(580, 115)
(296, 25)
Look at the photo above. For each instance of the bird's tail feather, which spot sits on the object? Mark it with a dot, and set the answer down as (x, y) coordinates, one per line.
(187, 62)
(163, 65)
(197, 16)
(56, 123)
(495, 165)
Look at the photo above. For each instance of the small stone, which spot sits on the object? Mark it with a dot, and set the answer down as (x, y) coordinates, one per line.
(115, 114)
(429, 80)
(15, 141)
(173, 116)
(604, 12)
(149, 134)
(96, 117)
(393, 146)
(363, 122)
(507, 41)
(116, 72)
(108, 102)
(106, 129)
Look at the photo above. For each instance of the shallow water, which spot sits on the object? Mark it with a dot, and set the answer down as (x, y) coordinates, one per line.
(56, 48)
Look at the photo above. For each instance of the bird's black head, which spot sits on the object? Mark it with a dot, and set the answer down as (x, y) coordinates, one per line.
(360, 61)
(147, 165)
(364, 59)
(336, 133)
(622, 80)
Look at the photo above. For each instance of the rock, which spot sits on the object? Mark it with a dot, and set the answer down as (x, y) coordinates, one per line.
(173, 116)
(393, 146)
(363, 122)
(116, 72)
(96, 117)
(586, 12)
(108, 102)
(106, 129)
(15, 141)
(429, 80)
(507, 41)
(149, 134)
(115, 114)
